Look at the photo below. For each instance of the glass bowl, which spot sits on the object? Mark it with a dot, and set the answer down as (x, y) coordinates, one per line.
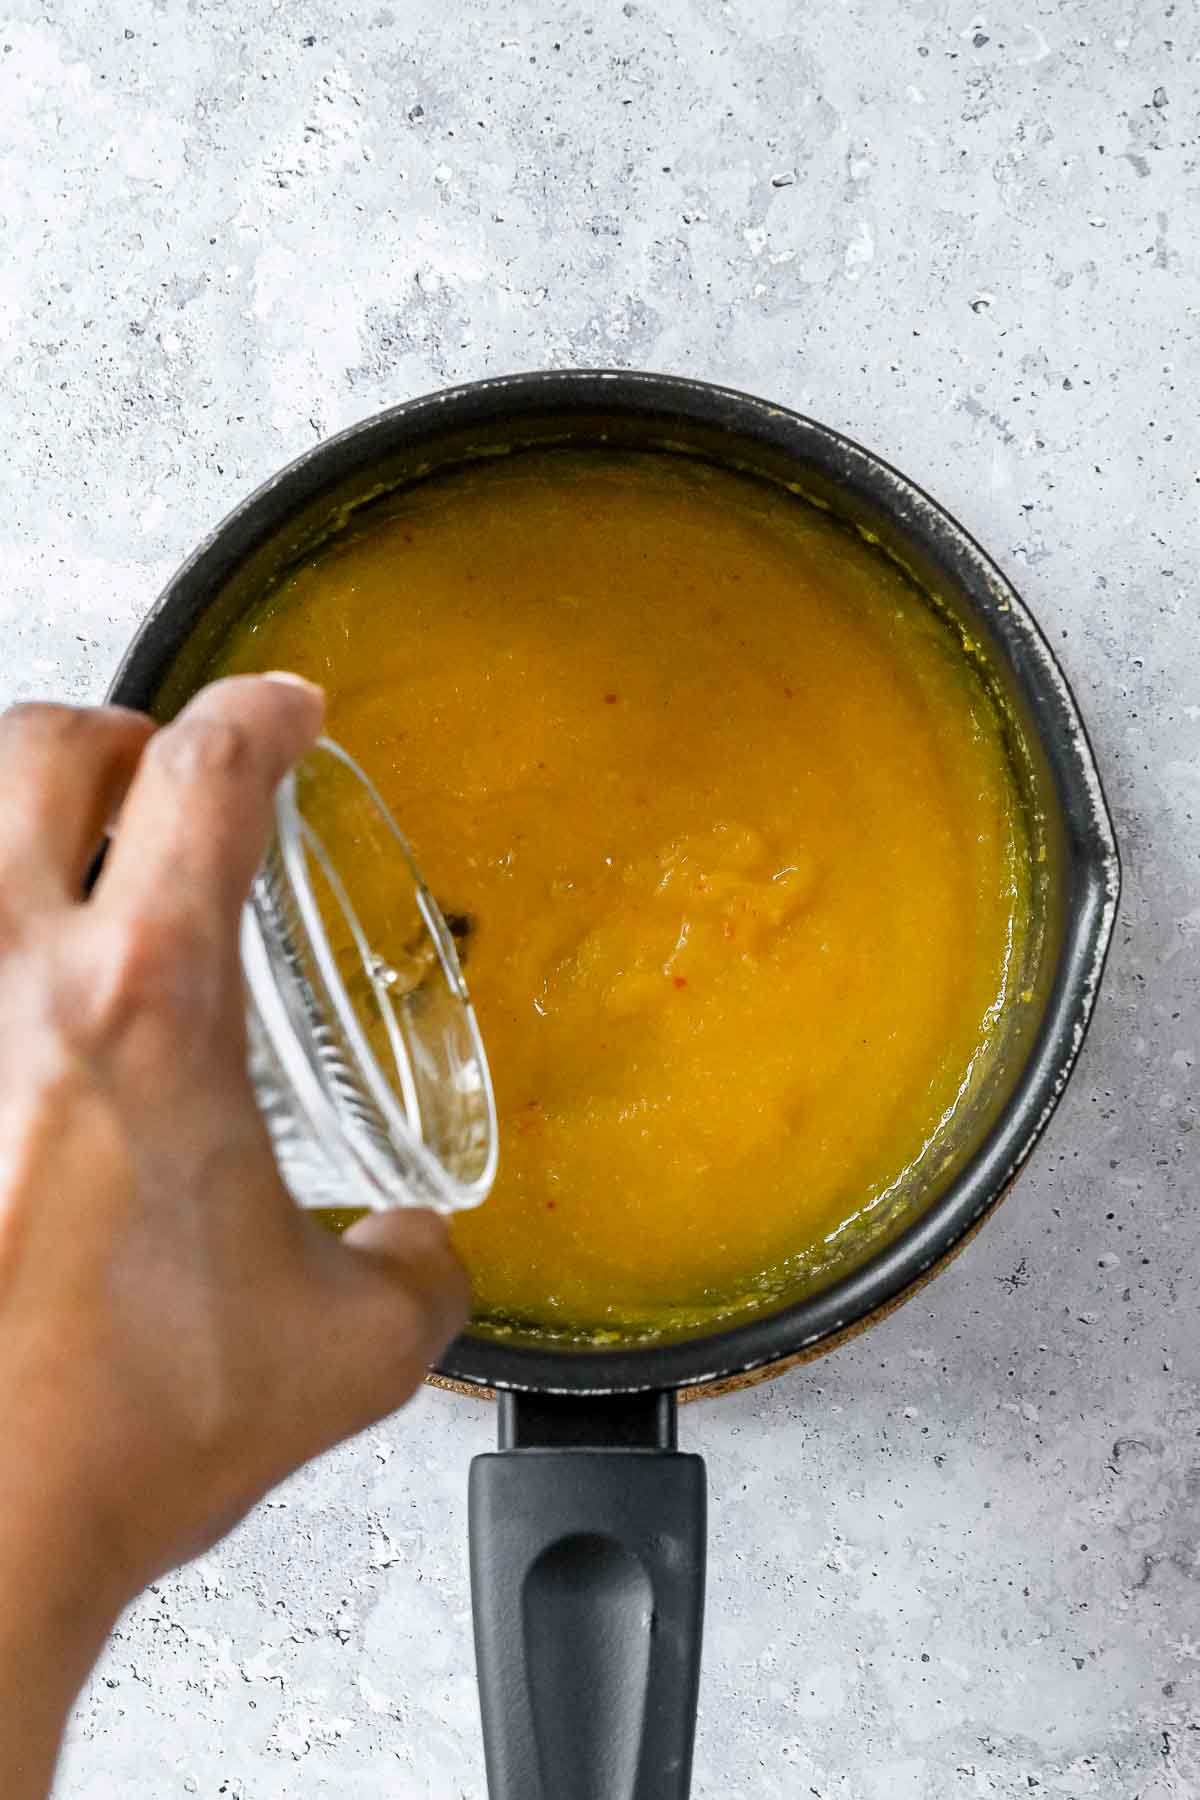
(364, 1049)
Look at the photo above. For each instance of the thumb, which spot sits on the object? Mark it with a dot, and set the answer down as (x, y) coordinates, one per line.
(358, 1330)
(397, 1297)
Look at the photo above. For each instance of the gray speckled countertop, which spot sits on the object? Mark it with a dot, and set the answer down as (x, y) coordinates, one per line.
(960, 1557)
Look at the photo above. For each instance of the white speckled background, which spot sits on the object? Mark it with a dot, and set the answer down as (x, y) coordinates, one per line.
(959, 1558)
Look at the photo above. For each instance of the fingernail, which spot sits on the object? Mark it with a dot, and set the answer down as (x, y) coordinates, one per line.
(293, 680)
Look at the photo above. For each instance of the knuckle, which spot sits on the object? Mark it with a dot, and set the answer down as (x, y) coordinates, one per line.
(197, 749)
(34, 724)
(144, 970)
(40, 1108)
(49, 727)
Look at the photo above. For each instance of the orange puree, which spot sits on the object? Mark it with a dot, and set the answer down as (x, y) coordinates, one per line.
(730, 812)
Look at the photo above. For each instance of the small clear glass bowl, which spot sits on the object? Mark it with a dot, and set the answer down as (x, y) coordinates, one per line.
(364, 1050)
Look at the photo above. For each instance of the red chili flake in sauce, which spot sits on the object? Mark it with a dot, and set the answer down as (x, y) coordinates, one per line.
(550, 1205)
(681, 981)
(787, 693)
(610, 699)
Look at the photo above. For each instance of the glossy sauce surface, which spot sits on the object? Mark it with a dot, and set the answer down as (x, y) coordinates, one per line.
(730, 816)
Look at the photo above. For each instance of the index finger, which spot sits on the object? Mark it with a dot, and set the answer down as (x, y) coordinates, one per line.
(198, 816)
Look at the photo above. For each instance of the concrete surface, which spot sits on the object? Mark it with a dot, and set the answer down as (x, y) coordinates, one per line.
(961, 1557)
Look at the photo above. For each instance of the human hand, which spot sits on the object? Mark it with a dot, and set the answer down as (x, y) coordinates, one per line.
(175, 1335)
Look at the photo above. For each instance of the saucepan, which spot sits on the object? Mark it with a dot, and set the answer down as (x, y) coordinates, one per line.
(587, 1523)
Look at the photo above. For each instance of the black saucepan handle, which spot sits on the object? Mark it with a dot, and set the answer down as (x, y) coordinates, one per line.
(587, 1579)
